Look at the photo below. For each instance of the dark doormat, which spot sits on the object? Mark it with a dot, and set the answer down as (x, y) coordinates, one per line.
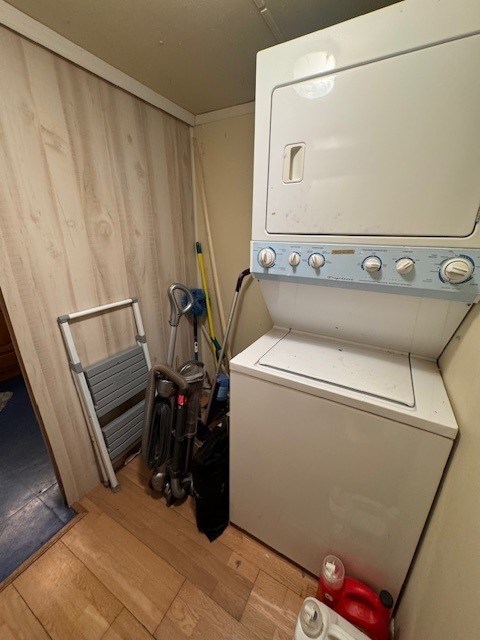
(32, 507)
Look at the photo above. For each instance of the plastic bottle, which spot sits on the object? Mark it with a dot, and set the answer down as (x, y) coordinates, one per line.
(219, 402)
(354, 601)
(318, 622)
(223, 384)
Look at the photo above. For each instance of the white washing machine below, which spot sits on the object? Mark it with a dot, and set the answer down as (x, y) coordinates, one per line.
(337, 448)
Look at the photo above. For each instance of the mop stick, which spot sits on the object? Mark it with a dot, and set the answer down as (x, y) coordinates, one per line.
(203, 275)
(206, 217)
(240, 280)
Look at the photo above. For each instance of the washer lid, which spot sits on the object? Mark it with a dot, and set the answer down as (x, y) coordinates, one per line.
(376, 372)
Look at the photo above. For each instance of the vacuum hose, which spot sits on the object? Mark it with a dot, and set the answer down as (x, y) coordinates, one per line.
(185, 429)
(157, 371)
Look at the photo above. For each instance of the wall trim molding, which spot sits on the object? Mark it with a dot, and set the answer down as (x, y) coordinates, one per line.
(224, 114)
(37, 32)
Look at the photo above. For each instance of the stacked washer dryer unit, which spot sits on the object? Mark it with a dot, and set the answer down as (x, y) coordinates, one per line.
(366, 245)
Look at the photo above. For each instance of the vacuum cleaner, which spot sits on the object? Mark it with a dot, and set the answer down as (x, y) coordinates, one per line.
(172, 405)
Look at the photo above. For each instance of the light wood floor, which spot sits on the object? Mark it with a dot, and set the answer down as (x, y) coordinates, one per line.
(133, 569)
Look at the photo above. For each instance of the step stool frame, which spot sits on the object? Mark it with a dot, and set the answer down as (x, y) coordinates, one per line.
(81, 384)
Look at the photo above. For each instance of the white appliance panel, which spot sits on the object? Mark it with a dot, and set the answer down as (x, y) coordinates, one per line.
(404, 323)
(311, 477)
(401, 29)
(366, 138)
(445, 273)
(392, 148)
(377, 372)
(432, 411)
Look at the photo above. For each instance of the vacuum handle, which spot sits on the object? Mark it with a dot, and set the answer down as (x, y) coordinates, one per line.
(177, 310)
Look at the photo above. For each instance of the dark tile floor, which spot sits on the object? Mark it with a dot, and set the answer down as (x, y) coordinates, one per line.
(32, 508)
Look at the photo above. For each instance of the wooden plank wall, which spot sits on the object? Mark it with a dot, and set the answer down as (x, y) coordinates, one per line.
(95, 206)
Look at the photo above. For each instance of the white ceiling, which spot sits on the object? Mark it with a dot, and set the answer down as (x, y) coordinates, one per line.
(198, 53)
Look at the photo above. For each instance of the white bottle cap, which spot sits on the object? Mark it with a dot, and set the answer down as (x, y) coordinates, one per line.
(311, 619)
(333, 572)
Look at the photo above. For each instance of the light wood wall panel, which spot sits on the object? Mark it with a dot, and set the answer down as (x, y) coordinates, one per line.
(95, 206)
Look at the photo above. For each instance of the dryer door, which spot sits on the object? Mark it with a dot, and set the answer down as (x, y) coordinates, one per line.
(391, 148)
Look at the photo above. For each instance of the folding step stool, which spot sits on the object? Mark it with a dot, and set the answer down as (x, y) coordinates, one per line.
(108, 384)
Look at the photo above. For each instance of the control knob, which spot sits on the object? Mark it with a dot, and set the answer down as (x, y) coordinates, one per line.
(316, 260)
(372, 264)
(294, 259)
(266, 257)
(456, 270)
(404, 266)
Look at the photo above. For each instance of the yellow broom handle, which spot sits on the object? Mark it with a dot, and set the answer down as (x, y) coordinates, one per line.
(203, 275)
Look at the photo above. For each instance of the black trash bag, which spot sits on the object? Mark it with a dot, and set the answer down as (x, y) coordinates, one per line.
(210, 470)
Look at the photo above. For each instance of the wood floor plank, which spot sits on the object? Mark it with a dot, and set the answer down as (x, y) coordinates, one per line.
(119, 574)
(229, 600)
(293, 602)
(138, 466)
(266, 598)
(137, 472)
(270, 562)
(17, 622)
(142, 581)
(244, 567)
(127, 627)
(90, 506)
(181, 517)
(66, 597)
(272, 609)
(196, 616)
(252, 555)
(205, 565)
(172, 515)
(149, 527)
(187, 510)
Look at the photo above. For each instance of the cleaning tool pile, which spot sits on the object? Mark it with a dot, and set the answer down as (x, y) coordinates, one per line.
(196, 311)
(172, 416)
(172, 404)
(203, 275)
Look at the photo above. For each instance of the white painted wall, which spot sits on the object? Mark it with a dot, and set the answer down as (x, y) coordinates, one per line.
(226, 148)
(440, 600)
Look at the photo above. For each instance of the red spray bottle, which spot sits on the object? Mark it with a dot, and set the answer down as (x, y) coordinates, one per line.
(353, 600)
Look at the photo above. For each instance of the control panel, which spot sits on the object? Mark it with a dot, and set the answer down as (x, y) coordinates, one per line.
(422, 271)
